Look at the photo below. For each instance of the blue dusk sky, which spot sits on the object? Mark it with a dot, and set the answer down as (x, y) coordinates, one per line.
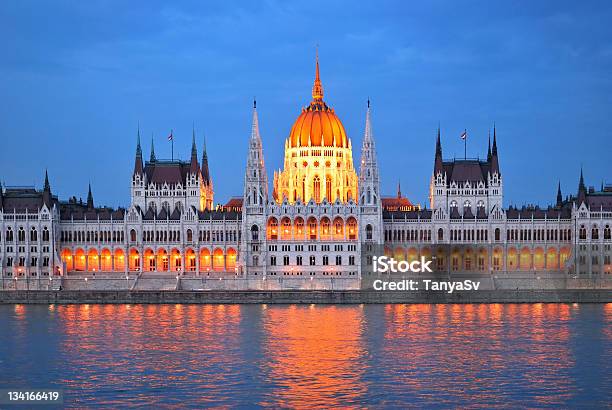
(77, 77)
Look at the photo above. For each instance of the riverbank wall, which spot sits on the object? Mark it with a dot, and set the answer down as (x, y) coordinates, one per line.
(303, 296)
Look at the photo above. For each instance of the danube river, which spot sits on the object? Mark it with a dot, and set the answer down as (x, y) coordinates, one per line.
(278, 356)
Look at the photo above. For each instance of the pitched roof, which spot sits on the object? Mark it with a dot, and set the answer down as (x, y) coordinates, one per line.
(171, 172)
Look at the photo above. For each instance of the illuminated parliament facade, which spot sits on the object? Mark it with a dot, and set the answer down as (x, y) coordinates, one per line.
(315, 222)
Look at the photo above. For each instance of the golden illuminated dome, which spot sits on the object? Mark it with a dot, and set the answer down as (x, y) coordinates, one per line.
(318, 124)
(318, 156)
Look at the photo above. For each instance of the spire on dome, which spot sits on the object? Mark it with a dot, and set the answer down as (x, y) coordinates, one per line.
(317, 88)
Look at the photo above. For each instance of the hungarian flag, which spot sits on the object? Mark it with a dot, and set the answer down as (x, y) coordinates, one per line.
(170, 137)
(464, 135)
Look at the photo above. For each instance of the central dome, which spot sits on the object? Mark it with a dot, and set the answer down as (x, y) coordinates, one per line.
(318, 125)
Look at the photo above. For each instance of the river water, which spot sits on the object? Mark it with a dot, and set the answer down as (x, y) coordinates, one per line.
(393, 356)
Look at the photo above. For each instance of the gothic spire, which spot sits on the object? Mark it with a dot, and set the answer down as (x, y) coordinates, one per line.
(559, 196)
(46, 191)
(256, 182)
(47, 186)
(368, 172)
(205, 171)
(152, 159)
(138, 159)
(194, 154)
(494, 159)
(90, 201)
(399, 189)
(581, 188)
(438, 163)
(489, 149)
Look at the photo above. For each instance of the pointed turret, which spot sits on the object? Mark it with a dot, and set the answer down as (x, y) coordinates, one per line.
(205, 171)
(494, 159)
(138, 160)
(399, 190)
(256, 181)
(489, 149)
(368, 172)
(194, 167)
(438, 163)
(559, 196)
(46, 191)
(153, 158)
(369, 185)
(581, 189)
(90, 201)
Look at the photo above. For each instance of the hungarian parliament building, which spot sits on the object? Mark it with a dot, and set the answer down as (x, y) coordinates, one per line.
(320, 219)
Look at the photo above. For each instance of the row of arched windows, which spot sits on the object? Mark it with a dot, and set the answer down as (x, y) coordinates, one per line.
(92, 236)
(594, 233)
(325, 229)
(21, 235)
(407, 235)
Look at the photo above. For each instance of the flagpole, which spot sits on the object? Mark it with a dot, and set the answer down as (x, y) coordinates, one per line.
(465, 144)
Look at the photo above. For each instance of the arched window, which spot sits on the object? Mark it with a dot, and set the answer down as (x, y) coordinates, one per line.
(9, 234)
(189, 235)
(45, 234)
(368, 231)
(497, 234)
(33, 235)
(328, 189)
(254, 233)
(316, 189)
(607, 232)
(440, 234)
(21, 234)
(595, 233)
(453, 204)
(133, 235)
(273, 228)
(582, 232)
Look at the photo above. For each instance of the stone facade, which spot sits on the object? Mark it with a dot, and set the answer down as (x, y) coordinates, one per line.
(171, 227)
